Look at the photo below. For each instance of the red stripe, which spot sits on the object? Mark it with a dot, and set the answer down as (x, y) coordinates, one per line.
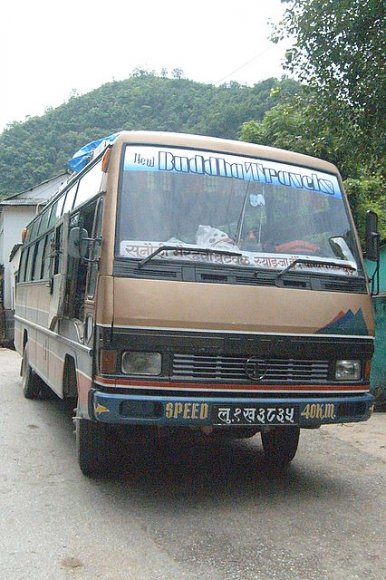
(226, 387)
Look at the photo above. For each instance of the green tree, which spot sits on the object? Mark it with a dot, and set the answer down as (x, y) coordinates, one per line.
(338, 56)
(365, 194)
(338, 52)
(284, 126)
(40, 147)
(293, 125)
(298, 124)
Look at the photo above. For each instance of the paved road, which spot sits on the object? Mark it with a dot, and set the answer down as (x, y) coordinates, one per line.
(184, 510)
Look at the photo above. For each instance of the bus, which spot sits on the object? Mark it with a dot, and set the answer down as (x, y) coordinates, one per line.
(188, 282)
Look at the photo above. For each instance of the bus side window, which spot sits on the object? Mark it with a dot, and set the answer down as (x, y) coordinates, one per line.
(35, 228)
(48, 250)
(67, 206)
(30, 260)
(78, 268)
(56, 210)
(58, 249)
(89, 184)
(59, 207)
(93, 266)
(44, 221)
(23, 263)
(37, 266)
(52, 219)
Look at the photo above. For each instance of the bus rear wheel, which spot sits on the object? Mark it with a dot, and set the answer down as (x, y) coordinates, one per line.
(280, 445)
(94, 446)
(31, 383)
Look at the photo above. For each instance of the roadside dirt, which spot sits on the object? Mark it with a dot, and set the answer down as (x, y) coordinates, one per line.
(369, 436)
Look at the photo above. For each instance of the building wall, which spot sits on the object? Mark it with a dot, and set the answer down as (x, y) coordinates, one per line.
(13, 221)
(1, 239)
(382, 278)
(14, 267)
(370, 267)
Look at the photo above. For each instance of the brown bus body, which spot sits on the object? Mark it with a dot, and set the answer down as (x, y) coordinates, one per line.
(77, 318)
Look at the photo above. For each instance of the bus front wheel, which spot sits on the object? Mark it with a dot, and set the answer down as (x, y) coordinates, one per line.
(94, 446)
(280, 445)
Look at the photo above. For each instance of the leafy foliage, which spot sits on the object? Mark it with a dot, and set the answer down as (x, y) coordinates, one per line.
(367, 194)
(284, 126)
(298, 123)
(338, 115)
(291, 126)
(339, 52)
(41, 146)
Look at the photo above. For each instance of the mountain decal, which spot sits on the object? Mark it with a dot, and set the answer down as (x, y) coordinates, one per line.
(346, 323)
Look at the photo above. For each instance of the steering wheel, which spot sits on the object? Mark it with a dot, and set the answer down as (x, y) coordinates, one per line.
(297, 247)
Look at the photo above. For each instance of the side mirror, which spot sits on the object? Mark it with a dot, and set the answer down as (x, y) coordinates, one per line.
(78, 243)
(372, 237)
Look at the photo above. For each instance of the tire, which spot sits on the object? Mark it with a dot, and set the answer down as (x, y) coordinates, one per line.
(31, 382)
(280, 445)
(95, 447)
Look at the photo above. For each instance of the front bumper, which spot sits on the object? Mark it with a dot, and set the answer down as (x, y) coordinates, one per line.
(199, 411)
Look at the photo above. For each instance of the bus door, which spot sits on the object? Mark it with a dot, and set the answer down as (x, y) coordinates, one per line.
(93, 267)
(82, 267)
(58, 271)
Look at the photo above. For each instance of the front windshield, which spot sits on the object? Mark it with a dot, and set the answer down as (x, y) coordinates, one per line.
(272, 213)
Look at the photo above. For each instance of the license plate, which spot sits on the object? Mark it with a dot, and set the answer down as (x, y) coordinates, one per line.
(255, 415)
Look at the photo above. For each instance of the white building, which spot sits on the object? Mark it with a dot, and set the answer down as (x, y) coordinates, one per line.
(16, 212)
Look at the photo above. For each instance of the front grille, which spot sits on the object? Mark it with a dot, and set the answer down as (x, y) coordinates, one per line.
(241, 369)
(346, 284)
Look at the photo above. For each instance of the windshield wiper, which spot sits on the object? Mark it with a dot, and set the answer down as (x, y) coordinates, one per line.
(313, 262)
(187, 249)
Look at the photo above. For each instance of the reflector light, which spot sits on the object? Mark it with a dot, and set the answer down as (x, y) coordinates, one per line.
(367, 370)
(108, 361)
(106, 160)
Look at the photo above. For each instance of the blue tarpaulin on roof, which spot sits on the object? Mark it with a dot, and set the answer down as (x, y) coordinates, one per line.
(80, 159)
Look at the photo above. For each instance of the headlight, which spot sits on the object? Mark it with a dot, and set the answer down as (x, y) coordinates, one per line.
(141, 363)
(348, 370)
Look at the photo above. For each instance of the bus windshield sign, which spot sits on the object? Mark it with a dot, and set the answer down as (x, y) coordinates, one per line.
(230, 166)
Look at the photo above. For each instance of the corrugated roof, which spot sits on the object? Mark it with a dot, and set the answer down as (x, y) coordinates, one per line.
(39, 194)
(14, 250)
(25, 201)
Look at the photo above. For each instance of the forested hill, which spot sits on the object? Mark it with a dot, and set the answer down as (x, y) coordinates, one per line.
(40, 147)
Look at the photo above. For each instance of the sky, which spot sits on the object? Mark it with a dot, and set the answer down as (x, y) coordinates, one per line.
(52, 50)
